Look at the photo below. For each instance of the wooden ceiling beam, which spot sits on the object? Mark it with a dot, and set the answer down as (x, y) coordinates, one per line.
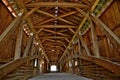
(56, 41)
(67, 40)
(64, 30)
(68, 14)
(55, 17)
(45, 21)
(53, 44)
(72, 30)
(55, 26)
(86, 2)
(53, 37)
(63, 15)
(54, 32)
(27, 14)
(57, 49)
(44, 34)
(40, 30)
(54, 4)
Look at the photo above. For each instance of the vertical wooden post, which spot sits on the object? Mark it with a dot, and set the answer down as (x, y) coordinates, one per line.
(32, 53)
(48, 67)
(32, 49)
(35, 67)
(84, 45)
(38, 66)
(107, 50)
(100, 24)
(95, 42)
(28, 46)
(60, 67)
(79, 47)
(18, 43)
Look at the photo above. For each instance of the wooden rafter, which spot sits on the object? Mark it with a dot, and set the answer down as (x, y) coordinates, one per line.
(58, 18)
(72, 30)
(54, 4)
(53, 37)
(55, 26)
(54, 32)
(61, 16)
(40, 30)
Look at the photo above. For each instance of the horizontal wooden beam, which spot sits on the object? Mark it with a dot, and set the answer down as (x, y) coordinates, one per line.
(55, 32)
(53, 37)
(54, 4)
(55, 42)
(55, 26)
(107, 64)
(30, 12)
(7, 68)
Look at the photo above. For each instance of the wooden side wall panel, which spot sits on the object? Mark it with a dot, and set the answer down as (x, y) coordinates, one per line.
(7, 45)
(5, 17)
(111, 17)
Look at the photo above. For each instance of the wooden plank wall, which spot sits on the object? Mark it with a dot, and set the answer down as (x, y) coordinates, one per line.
(108, 48)
(6, 45)
(111, 17)
(5, 17)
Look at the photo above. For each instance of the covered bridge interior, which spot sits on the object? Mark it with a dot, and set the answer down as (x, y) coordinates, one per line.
(80, 37)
